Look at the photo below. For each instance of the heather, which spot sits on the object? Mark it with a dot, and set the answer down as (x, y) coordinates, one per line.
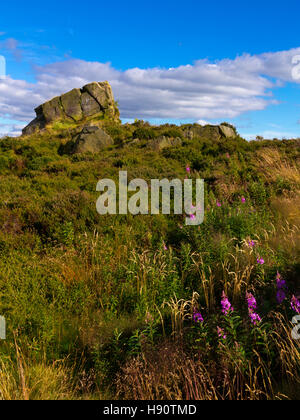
(144, 307)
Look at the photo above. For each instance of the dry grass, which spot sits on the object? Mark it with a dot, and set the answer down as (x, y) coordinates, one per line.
(168, 373)
(272, 165)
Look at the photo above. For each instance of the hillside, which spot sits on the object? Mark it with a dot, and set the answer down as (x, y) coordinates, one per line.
(130, 306)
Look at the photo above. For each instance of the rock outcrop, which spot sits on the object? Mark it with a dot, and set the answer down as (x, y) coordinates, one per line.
(94, 99)
(163, 142)
(214, 132)
(91, 139)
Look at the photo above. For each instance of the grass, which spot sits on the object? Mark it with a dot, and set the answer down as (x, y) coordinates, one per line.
(90, 300)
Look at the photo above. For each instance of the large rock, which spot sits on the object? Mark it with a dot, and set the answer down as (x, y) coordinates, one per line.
(163, 142)
(213, 132)
(91, 139)
(94, 99)
(71, 104)
(227, 131)
(89, 105)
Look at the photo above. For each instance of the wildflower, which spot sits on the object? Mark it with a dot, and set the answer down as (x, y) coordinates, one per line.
(219, 204)
(188, 169)
(221, 333)
(149, 318)
(254, 317)
(243, 200)
(260, 261)
(280, 296)
(226, 305)
(295, 304)
(251, 301)
(251, 244)
(281, 283)
(192, 217)
(281, 286)
(197, 317)
(228, 155)
(165, 247)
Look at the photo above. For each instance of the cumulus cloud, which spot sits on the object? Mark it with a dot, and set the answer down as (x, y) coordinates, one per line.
(204, 90)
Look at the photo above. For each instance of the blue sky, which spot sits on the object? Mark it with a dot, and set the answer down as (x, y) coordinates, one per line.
(166, 60)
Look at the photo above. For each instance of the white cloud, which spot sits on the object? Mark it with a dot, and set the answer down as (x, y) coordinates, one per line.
(269, 134)
(203, 122)
(219, 90)
(10, 129)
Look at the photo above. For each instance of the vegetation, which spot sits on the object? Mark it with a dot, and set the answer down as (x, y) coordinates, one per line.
(141, 306)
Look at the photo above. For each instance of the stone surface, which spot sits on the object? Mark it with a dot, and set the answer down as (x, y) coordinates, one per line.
(71, 103)
(163, 142)
(227, 131)
(91, 139)
(89, 105)
(93, 99)
(213, 132)
(51, 110)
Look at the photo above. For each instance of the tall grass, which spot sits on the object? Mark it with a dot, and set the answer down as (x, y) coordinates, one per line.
(103, 307)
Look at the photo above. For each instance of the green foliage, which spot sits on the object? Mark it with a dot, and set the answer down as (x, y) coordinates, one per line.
(93, 289)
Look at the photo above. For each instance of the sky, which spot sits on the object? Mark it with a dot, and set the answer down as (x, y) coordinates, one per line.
(167, 61)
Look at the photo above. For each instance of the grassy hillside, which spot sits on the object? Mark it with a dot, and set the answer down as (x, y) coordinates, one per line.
(108, 306)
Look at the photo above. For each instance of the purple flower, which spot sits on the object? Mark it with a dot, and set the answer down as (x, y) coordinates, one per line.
(252, 305)
(188, 169)
(254, 317)
(251, 244)
(243, 200)
(280, 296)
(251, 301)
(295, 304)
(260, 261)
(197, 317)
(219, 204)
(281, 283)
(226, 305)
(281, 286)
(221, 333)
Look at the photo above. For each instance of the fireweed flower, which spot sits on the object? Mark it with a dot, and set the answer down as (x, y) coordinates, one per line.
(254, 317)
(197, 317)
(251, 301)
(252, 305)
(148, 318)
(260, 261)
(280, 296)
(221, 333)
(251, 244)
(295, 304)
(188, 169)
(281, 283)
(226, 305)
(243, 200)
(219, 204)
(281, 287)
